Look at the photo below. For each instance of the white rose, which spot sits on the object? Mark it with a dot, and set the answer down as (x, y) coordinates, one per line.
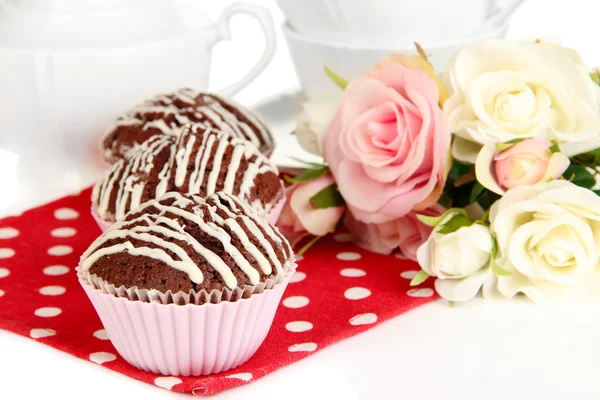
(313, 122)
(460, 260)
(548, 237)
(502, 90)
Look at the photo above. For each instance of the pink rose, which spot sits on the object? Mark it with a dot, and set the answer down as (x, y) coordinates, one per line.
(525, 163)
(406, 234)
(299, 219)
(387, 146)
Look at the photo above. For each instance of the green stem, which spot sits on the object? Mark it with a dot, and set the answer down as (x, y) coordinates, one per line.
(307, 246)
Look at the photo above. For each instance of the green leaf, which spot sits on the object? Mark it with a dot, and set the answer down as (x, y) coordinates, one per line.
(293, 133)
(595, 75)
(430, 221)
(421, 277)
(476, 192)
(308, 175)
(445, 200)
(312, 164)
(435, 221)
(328, 197)
(555, 148)
(461, 196)
(507, 145)
(496, 269)
(597, 192)
(459, 169)
(454, 224)
(335, 78)
(488, 199)
(595, 152)
(486, 216)
(580, 176)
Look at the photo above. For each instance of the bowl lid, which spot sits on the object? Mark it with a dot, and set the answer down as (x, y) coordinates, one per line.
(84, 23)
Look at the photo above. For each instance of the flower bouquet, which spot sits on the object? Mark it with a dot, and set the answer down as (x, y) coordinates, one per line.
(483, 175)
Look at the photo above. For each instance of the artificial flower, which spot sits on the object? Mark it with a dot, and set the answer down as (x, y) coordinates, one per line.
(387, 146)
(300, 219)
(312, 124)
(418, 62)
(503, 90)
(525, 163)
(548, 238)
(459, 259)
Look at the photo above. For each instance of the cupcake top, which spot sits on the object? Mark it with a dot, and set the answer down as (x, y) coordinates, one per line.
(186, 243)
(198, 161)
(165, 114)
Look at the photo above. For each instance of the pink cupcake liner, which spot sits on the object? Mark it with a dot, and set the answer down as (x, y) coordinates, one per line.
(272, 217)
(187, 340)
(102, 224)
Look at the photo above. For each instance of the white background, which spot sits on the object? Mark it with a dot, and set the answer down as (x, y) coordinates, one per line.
(480, 350)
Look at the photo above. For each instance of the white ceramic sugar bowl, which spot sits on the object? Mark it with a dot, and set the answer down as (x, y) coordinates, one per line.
(69, 67)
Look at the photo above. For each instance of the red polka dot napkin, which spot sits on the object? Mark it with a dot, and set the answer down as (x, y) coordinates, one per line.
(338, 291)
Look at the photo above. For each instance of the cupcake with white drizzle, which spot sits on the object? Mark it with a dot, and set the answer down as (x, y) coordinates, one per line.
(199, 161)
(188, 286)
(165, 114)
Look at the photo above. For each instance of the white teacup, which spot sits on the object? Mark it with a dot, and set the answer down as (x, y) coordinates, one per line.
(70, 67)
(393, 20)
(311, 55)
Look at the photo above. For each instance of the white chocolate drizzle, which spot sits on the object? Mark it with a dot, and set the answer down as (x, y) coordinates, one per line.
(209, 110)
(193, 163)
(219, 216)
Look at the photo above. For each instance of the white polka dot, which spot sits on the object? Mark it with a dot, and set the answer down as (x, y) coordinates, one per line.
(8, 233)
(302, 347)
(363, 319)
(63, 232)
(41, 333)
(101, 334)
(52, 290)
(65, 213)
(167, 382)
(6, 252)
(352, 272)
(296, 302)
(1, 292)
(422, 292)
(357, 293)
(244, 376)
(298, 277)
(48, 312)
(60, 250)
(409, 274)
(56, 270)
(348, 256)
(298, 326)
(102, 357)
(342, 237)
(4, 272)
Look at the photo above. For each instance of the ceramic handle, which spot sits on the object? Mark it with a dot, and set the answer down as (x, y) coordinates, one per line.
(263, 16)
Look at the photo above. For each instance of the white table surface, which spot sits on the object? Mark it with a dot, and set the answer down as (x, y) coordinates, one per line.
(491, 350)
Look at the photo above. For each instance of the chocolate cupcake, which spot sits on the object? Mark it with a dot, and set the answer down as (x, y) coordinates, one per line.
(198, 161)
(165, 115)
(188, 286)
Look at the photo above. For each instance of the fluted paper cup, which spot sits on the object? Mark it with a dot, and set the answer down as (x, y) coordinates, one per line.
(102, 224)
(273, 215)
(187, 340)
